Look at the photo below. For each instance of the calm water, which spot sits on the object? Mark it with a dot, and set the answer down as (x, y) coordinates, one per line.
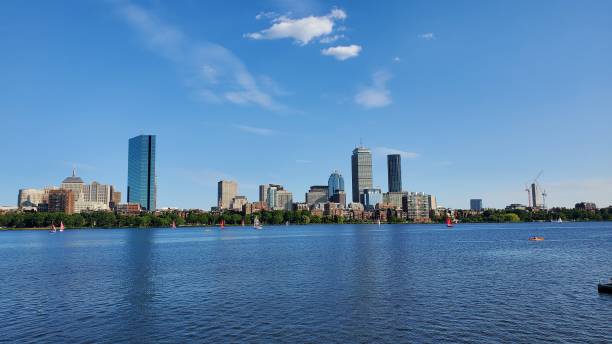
(394, 283)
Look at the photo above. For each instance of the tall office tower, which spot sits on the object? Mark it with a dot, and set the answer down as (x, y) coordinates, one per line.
(263, 193)
(317, 194)
(226, 191)
(476, 204)
(335, 183)
(284, 200)
(361, 170)
(142, 182)
(61, 200)
(74, 184)
(394, 172)
(98, 193)
(271, 197)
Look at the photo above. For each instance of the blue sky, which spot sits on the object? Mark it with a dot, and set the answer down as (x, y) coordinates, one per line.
(478, 96)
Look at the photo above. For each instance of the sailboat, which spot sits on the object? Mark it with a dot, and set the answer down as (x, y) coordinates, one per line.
(559, 220)
(173, 225)
(61, 226)
(256, 223)
(53, 230)
(378, 221)
(449, 223)
(222, 223)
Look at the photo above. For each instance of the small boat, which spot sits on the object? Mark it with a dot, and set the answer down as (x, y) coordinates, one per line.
(256, 223)
(605, 287)
(559, 220)
(449, 223)
(536, 238)
(242, 223)
(222, 224)
(61, 226)
(378, 222)
(173, 225)
(287, 223)
(53, 229)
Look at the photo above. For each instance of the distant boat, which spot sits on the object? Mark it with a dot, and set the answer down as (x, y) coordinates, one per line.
(53, 229)
(536, 238)
(559, 220)
(222, 223)
(287, 223)
(242, 223)
(449, 223)
(173, 225)
(378, 222)
(256, 223)
(605, 287)
(61, 226)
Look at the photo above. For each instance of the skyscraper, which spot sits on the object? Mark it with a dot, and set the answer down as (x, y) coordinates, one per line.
(476, 204)
(394, 172)
(226, 191)
(361, 170)
(335, 183)
(142, 182)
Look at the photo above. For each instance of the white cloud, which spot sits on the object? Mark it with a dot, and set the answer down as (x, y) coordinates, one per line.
(301, 30)
(330, 39)
(376, 95)
(214, 72)
(396, 59)
(427, 36)
(256, 130)
(342, 53)
(384, 151)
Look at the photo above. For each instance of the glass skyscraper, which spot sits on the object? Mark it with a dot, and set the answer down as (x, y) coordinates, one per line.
(361, 170)
(335, 183)
(142, 184)
(394, 171)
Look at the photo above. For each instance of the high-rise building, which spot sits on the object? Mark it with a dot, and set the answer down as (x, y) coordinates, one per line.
(271, 197)
(361, 171)
(97, 193)
(30, 197)
(226, 191)
(335, 183)
(238, 202)
(263, 191)
(416, 206)
(394, 172)
(317, 194)
(284, 200)
(371, 197)
(61, 200)
(393, 199)
(74, 184)
(476, 204)
(339, 197)
(142, 181)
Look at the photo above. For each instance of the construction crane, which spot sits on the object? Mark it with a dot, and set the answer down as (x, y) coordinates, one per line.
(535, 187)
(528, 194)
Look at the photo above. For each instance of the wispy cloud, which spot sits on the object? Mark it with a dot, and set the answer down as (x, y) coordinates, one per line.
(256, 130)
(427, 36)
(301, 30)
(376, 95)
(384, 151)
(396, 59)
(342, 53)
(215, 73)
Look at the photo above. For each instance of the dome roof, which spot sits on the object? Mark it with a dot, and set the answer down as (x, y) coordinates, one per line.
(73, 179)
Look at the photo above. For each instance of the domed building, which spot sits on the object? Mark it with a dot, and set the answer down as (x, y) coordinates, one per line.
(74, 184)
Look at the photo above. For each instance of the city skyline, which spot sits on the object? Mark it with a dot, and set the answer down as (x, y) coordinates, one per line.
(475, 111)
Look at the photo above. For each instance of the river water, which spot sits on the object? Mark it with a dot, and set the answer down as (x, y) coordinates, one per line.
(476, 283)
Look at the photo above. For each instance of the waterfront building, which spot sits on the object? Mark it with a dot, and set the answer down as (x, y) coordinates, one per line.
(416, 206)
(516, 206)
(361, 171)
(394, 172)
(433, 204)
(128, 208)
(339, 197)
(476, 204)
(332, 209)
(30, 197)
(238, 203)
(284, 200)
(335, 184)
(81, 205)
(393, 199)
(226, 191)
(74, 184)
(263, 191)
(371, 197)
(61, 200)
(96, 192)
(142, 181)
(588, 206)
(300, 206)
(317, 194)
(115, 198)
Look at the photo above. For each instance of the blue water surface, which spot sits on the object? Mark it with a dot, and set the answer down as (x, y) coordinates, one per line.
(476, 283)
